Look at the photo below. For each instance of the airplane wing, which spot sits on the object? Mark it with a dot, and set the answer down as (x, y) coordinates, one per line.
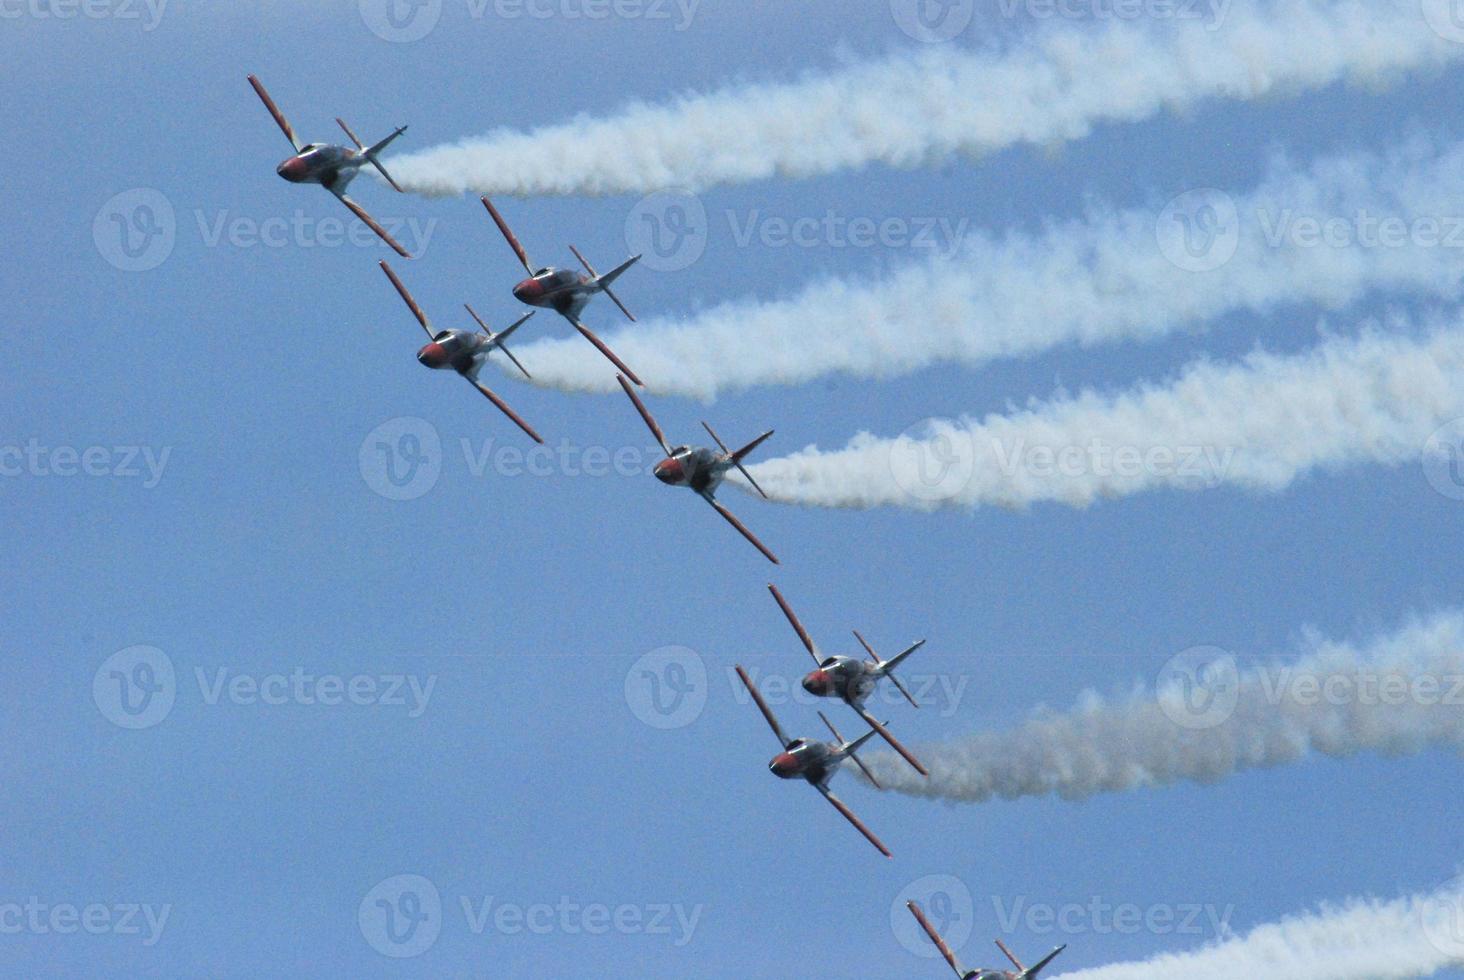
(503, 407)
(940, 943)
(508, 234)
(795, 623)
(885, 734)
(646, 416)
(604, 348)
(279, 117)
(741, 528)
(858, 824)
(407, 298)
(767, 713)
(370, 222)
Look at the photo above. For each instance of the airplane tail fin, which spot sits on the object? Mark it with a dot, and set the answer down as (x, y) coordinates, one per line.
(602, 283)
(1031, 972)
(895, 661)
(737, 457)
(850, 748)
(371, 152)
(496, 339)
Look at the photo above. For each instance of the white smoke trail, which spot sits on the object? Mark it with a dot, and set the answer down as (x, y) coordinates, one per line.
(916, 109)
(1208, 719)
(1259, 424)
(1362, 939)
(1327, 235)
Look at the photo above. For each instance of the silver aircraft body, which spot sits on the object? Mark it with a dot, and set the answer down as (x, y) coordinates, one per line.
(332, 167)
(701, 469)
(851, 679)
(1021, 972)
(815, 761)
(566, 291)
(464, 351)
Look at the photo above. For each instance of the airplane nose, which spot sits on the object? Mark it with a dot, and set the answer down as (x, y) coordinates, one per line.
(784, 766)
(432, 356)
(818, 682)
(668, 471)
(292, 169)
(526, 291)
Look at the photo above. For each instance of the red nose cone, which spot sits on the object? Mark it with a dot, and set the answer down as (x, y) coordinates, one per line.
(784, 766)
(528, 290)
(293, 169)
(669, 471)
(433, 356)
(818, 682)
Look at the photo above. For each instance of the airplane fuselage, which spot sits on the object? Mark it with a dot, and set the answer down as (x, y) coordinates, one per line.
(699, 468)
(806, 759)
(562, 290)
(458, 350)
(325, 164)
(847, 678)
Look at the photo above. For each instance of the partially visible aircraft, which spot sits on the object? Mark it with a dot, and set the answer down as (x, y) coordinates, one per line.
(814, 761)
(333, 167)
(464, 351)
(701, 469)
(565, 291)
(1022, 972)
(852, 680)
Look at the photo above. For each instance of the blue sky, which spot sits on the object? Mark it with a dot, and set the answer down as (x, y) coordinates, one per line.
(528, 776)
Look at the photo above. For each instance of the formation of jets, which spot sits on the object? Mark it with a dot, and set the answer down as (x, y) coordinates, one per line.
(701, 469)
